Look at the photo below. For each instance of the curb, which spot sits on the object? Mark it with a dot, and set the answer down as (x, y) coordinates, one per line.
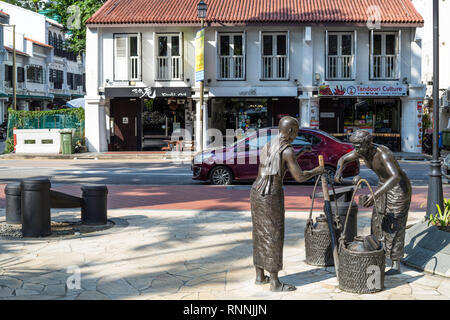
(98, 156)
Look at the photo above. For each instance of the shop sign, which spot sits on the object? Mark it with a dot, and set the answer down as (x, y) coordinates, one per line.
(124, 92)
(363, 90)
(172, 92)
(200, 55)
(251, 92)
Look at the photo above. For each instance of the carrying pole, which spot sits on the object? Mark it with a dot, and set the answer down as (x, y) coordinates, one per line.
(329, 215)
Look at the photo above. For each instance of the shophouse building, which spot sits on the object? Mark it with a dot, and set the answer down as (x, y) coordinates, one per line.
(47, 74)
(337, 65)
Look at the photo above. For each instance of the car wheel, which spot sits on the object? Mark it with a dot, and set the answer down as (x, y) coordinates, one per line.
(221, 176)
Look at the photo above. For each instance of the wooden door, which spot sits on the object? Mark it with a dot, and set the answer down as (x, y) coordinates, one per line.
(125, 122)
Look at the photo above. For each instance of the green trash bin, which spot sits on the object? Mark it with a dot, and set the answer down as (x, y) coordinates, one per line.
(446, 137)
(66, 142)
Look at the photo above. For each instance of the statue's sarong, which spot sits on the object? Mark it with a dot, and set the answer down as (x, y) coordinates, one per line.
(392, 216)
(267, 207)
(268, 227)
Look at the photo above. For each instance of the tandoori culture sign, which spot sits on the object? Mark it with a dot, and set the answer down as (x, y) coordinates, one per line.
(200, 55)
(364, 90)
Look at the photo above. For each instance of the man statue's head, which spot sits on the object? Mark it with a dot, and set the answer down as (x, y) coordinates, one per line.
(289, 128)
(362, 141)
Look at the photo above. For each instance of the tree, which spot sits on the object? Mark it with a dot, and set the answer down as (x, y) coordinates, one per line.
(34, 5)
(73, 15)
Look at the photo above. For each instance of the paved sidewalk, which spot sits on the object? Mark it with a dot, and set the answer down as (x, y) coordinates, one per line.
(162, 254)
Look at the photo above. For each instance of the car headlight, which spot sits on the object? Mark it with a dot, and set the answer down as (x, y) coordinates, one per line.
(202, 157)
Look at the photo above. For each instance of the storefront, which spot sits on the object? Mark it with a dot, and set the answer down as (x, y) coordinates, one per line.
(142, 119)
(243, 114)
(377, 109)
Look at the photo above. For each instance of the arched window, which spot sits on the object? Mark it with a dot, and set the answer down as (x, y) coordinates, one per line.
(60, 42)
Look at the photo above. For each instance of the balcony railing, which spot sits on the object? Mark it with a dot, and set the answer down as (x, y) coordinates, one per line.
(231, 68)
(384, 67)
(340, 67)
(169, 68)
(135, 68)
(275, 67)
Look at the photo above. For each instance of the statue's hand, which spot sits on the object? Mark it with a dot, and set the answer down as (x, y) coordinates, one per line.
(338, 178)
(369, 202)
(319, 170)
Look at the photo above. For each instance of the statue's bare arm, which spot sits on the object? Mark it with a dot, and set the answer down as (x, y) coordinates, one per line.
(290, 158)
(346, 158)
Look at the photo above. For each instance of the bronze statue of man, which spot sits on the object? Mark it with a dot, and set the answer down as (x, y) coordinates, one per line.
(267, 202)
(392, 198)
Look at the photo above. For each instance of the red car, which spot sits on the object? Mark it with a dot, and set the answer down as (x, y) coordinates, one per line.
(240, 161)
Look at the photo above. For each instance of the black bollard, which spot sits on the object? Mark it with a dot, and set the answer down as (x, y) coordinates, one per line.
(36, 208)
(94, 208)
(13, 203)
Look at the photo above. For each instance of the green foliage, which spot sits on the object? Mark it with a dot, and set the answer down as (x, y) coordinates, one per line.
(34, 5)
(426, 121)
(22, 114)
(9, 146)
(441, 219)
(71, 12)
(72, 118)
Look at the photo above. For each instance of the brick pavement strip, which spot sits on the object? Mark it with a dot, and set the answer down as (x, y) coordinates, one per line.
(206, 197)
(178, 255)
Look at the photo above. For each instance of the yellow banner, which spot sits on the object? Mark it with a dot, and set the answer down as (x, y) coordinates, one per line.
(200, 55)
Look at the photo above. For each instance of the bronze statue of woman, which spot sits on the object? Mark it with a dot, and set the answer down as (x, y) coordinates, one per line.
(267, 202)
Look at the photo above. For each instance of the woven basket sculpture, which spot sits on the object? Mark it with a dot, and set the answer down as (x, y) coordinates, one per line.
(360, 272)
(317, 241)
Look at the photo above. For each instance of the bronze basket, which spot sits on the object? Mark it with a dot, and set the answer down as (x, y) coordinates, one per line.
(360, 272)
(317, 242)
(318, 246)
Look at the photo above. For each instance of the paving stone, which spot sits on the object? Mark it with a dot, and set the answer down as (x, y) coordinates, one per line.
(33, 286)
(428, 281)
(24, 292)
(420, 290)
(116, 288)
(5, 291)
(92, 295)
(55, 290)
(401, 297)
(444, 288)
(10, 282)
(166, 283)
(400, 290)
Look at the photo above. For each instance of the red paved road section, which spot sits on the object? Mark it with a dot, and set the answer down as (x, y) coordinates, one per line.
(208, 197)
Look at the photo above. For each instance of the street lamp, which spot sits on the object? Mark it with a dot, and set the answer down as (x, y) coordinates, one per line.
(435, 194)
(201, 13)
(14, 73)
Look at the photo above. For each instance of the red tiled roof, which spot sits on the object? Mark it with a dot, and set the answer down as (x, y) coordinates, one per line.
(4, 13)
(256, 11)
(9, 49)
(38, 43)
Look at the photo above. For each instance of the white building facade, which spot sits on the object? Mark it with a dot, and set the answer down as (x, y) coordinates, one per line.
(38, 55)
(334, 76)
(426, 36)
